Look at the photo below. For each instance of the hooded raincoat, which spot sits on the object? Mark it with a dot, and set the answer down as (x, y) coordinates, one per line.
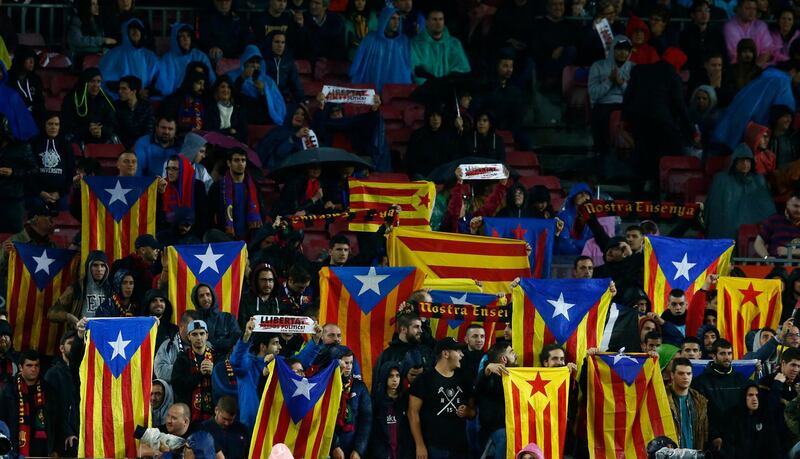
(172, 65)
(382, 59)
(129, 59)
(276, 106)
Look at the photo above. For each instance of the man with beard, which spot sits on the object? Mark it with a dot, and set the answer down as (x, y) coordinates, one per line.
(234, 201)
(63, 377)
(407, 348)
(260, 298)
(156, 304)
(153, 150)
(489, 396)
(140, 265)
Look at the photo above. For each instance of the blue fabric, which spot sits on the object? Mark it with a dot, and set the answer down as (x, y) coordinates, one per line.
(247, 367)
(380, 59)
(172, 66)
(239, 209)
(498, 438)
(752, 103)
(127, 59)
(13, 107)
(687, 439)
(151, 156)
(566, 244)
(275, 102)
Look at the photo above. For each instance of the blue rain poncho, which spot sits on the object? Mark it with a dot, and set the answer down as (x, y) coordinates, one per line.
(172, 66)
(13, 107)
(381, 59)
(274, 100)
(127, 59)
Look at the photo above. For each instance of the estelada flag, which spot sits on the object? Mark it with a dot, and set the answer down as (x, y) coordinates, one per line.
(415, 199)
(37, 276)
(114, 212)
(455, 328)
(220, 265)
(671, 263)
(452, 284)
(746, 304)
(540, 233)
(570, 312)
(297, 411)
(363, 303)
(495, 262)
(536, 409)
(626, 405)
(116, 375)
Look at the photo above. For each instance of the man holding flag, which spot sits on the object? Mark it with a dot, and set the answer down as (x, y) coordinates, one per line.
(489, 396)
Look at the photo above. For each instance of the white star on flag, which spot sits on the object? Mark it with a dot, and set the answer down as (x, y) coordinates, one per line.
(371, 281)
(118, 194)
(43, 263)
(561, 307)
(621, 356)
(303, 388)
(683, 267)
(209, 260)
(119, 346)
(459, 300)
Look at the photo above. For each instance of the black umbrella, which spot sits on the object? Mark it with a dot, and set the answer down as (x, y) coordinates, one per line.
(446, 173)
(319, 156)
(444, 89)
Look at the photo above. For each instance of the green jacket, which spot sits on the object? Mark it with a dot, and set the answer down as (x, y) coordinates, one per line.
(439, 57)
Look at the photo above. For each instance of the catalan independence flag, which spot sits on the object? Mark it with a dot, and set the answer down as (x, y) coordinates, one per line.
(363, 302)
(536, 409)
(540, 233)
(220, 265)
(626, 405)
(116, 375)
(746, 304)
(415, 199)
(114, 212)
(495, 262)
(297, 411)
(454, 328)
(671, 263)
(37, 276)
(570, 312)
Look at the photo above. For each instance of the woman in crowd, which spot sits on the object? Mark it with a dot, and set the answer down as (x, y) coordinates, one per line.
(86, 32)
(224, 114)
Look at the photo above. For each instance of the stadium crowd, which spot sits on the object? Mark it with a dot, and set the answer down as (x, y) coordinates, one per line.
(710, 79)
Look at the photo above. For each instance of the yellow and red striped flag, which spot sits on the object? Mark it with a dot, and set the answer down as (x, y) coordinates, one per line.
(114, 212)
(746, 304)
(363, 303)
(495, 262)
(37, 276)
(569, 312)
(220, 265)
(415, 199)
(116, 375)
(536, 409)
(297, 411)
(626, 405)
(671, 263)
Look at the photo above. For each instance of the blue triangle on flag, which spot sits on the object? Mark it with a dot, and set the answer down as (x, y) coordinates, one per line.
(682, 260)
(119, 339)
(209, 262)
(627, 367)
(43, 263)
(563, 303)
(301, 394)
(118, 194)
(369, 286)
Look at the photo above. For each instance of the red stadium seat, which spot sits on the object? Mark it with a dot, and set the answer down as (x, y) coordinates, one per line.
(678, 183)
(392, 116)
(256, 132)
(314, 244)
(745, 239)
(103, 150)
(668, 164)
(552, 183)
(62, 83)
(303, 67)
(508, 138)
(414, 116)
(524, 162)
(91, 60)
(34, 40)
(398, 95)
(53, 103)
(225, 65)
(716, 164)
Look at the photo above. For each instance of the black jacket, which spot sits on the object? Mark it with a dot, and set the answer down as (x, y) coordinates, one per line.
(64, 380)
(212, 121)
(18, 157)
(410, 355)
(655, 95)
(230, 32)
(698, 45)
(381, 405)
(491, 405)
(55, 165)
(135, 123)
(428, 149)
(9, 413)
(283, 70)
(723, 389)
(98, 110)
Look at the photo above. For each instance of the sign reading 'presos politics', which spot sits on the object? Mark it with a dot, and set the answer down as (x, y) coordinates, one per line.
(284, 324)
(340, 95)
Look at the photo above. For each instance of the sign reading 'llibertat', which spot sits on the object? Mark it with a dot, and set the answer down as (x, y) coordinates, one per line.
(483, 172)
(341, 95)
(284, 324)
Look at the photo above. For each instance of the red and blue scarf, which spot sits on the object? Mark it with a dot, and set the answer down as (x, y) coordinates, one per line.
(251, 202)
(180, 195)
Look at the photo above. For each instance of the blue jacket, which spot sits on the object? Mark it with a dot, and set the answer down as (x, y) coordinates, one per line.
(172, 66)
(566, 244)
(381, 59)
(360, 405)
(127, 59)
(308, 354)
(247, 367)
(151, 156)
(272, 95)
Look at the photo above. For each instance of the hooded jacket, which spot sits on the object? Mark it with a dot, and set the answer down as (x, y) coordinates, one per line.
(20, 119)
(410, 355)
(387, 411)
(276, 106)
(166, 329)
(438, 57)
(428, 149)
(281, 142)
(644, 53)
(382, 59)
(359, 404)
(160, 413)
(80, 109)
(283, 70)
(129, 59)
(202, 445)
(511, 210)
(172, 65)
(735, 199)
(251, 303)
(223, 331)
(601, 89)
(27, 84)
(706, 120)
(192, 143)
(765, 161)
(567, 243)
(247, 367)
(752, 434)
(722, 389)
(71, 302)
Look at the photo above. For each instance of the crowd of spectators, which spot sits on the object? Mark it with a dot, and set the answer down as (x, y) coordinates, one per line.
(711, 79)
